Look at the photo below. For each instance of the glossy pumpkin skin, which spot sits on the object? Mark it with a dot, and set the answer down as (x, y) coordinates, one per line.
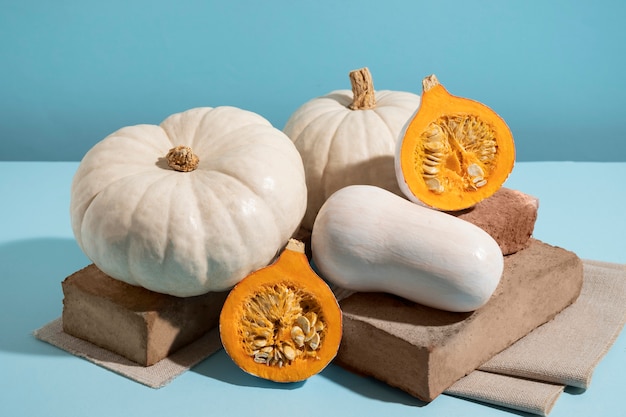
(188, 233)
(241, 327)
(368, 239)
(341, 146)
(476, 155)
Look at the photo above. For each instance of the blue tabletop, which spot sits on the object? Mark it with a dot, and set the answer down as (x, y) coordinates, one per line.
(581, 209)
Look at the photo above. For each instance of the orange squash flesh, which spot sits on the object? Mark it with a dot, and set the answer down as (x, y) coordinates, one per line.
(282, 322)
(455, 152)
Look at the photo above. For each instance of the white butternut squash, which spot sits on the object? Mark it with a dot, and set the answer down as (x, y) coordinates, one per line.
(369, 239)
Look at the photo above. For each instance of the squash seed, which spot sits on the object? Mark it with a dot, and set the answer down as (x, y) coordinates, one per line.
(434, 185)
(475, 170)
(297, 335)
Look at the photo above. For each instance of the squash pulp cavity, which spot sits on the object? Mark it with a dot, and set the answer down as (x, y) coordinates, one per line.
(455, 152)
(282, 322)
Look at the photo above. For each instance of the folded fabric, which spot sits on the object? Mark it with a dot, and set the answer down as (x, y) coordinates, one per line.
(155, 376)
(529, 376)
(564, 351)
(519, 394)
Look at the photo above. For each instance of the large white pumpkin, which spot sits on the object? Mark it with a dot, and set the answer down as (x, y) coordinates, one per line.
(188, 233)
(349, 137)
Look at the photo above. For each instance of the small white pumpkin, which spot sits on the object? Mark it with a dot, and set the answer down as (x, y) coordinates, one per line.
(349, 137)
(368, 239)
(188, 233)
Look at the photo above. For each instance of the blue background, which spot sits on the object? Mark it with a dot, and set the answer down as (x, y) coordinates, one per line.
(74, 71)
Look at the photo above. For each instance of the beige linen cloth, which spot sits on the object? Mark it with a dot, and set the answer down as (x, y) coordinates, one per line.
(529, 376)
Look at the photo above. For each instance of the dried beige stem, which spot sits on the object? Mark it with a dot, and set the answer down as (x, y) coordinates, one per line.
(295, 245)
(362, 89)
(181, 158)
(429, 82)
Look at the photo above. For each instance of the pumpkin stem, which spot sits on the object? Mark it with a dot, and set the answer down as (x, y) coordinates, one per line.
(429, 82)
(181, 158)
(295, 245)
(362, 89)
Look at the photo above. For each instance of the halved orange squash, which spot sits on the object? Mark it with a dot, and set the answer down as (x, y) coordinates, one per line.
(454, 152)
(282, 322)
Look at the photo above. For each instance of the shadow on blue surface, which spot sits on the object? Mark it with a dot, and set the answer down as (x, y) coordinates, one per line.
(39, 265)
(370, 387)
(575, 390)
(504, 409)
(219, 366)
